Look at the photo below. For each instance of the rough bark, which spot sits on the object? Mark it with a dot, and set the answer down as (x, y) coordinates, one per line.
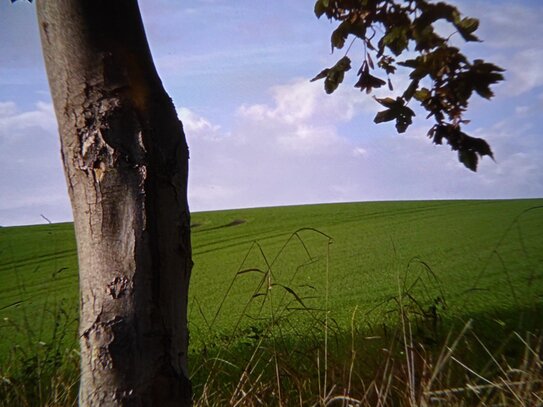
(126, 162)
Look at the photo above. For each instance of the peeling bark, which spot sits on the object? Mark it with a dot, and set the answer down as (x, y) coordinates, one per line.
(126, 165)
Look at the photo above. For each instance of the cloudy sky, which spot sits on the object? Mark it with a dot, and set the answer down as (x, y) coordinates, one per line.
(260, 133)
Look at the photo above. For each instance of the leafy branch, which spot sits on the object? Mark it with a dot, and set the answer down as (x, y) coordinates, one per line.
(442, 78)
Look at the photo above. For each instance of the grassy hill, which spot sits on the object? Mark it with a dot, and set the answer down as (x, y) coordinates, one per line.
(476, 256)
(445, 261)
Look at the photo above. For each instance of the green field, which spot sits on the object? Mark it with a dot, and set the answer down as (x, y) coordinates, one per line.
(466, 257)
(279, 291)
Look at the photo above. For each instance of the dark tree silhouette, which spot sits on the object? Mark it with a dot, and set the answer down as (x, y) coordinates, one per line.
(442, 78)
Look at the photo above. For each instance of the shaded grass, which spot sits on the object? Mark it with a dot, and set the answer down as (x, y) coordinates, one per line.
(301, 356)
(389, 369)
(423, 351)
(41, 370)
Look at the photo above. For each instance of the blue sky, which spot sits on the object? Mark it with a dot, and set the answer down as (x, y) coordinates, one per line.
(260, 133)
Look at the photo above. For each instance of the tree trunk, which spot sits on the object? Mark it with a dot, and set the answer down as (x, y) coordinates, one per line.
(126, 163)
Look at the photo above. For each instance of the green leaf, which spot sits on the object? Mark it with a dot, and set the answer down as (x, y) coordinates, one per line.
(426, 38)
(483, 74)
(321, 75)
(387, 63)
(422, 94)
(334, 76)
(434, 12)
(367, 81)
(396, 39)
(338, 38)
(469, 24)
(484, 91)
(396, 110)
(354, 26)
(389, 102)
(344, 64)
(478, 145)
(320, 8)
(384, 116)
(466, 27)
(404, 119)
(409, 63)
(333, 80)
(469, 159)
(411, 89)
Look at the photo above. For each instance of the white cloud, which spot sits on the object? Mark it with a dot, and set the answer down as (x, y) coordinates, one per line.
(359, 152)
(276, 153)
(519, 159)
(305, 138)
(13, 124)
(7, 109)
(301, 101)
(523, 70)
(302, 119)
(288, 152)
(193, 123)
(31, 176)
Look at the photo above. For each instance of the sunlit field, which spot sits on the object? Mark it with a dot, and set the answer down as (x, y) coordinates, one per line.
(319, 288)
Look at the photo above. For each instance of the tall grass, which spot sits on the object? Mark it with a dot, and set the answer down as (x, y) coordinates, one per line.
(295, 353)
(40, 371)
(286, 348)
